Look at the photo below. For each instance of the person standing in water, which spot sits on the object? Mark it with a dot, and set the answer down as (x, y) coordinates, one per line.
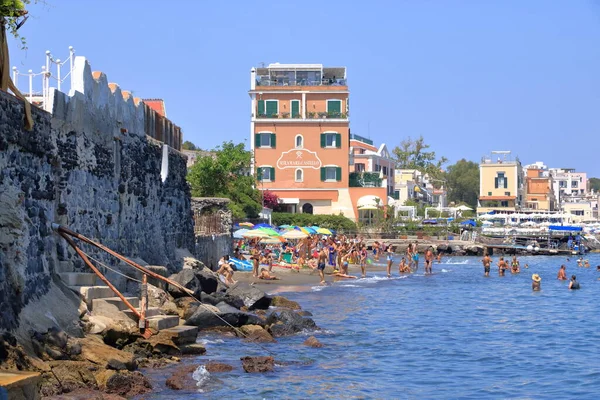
(415, 255)
(321, 264)
(428, 260)
(390, 260)
(487, 264)
(562, 273)
(574, 285)
(502, 266)
(515, 267)
(536, 282)
(363, 261)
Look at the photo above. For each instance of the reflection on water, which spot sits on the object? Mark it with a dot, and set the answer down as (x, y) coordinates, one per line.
(455, 334)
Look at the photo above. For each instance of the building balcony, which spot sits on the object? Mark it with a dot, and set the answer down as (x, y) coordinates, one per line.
(309, 116)
(354, 136)
(284, 83)
(365, 179)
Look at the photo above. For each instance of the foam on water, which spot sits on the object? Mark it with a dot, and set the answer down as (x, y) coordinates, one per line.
(209, 341)
(201, 376)
(457, 262)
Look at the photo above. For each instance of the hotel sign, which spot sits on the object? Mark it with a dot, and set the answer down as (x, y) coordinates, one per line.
(299, 158)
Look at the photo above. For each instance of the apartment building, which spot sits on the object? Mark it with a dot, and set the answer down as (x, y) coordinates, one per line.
(501, 183)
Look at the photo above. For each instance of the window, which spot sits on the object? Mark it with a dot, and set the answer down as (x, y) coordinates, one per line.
(331, 174)
(268, 108)
(504, 204)
(377, 167)
(507, 193)
(359, 167)
(574, 184)
(295, 107)
(299, 175)
(489, 193)
(264, 139)
(385, 170)
(578, 212)
(334, 108)
(299, 141)
(331, 139)
(500, 181)
(265, 174)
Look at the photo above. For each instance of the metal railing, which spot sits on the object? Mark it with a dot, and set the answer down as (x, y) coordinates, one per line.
(300, 82)
(365, 179)
(52, 70)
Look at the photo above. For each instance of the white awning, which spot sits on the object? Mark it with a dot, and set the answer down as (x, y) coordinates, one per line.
(285, 200)
(369, 201)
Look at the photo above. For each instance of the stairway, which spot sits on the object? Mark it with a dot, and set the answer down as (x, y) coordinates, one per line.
(101, 300)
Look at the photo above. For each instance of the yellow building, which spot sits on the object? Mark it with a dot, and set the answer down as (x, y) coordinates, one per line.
(578, 211)
(501, 186)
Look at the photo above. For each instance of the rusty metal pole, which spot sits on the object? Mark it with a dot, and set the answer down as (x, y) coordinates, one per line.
(100, 275)
(143, 302)
(61, 229)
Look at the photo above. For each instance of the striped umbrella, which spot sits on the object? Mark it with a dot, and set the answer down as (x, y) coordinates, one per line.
(248, 224)
(324, 231)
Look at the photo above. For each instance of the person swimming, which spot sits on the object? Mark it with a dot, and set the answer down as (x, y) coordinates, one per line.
(536, 282)
(574, 285)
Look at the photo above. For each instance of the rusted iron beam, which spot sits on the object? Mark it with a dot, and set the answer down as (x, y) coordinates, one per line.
(100, 275)
(143, 302)
(62, 229)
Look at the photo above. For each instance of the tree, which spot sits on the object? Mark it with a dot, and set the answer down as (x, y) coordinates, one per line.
(13, 15)
(187, 145)
(594, 184)
(411, 154)
(270, 200)
(222, 175)
(463, 182)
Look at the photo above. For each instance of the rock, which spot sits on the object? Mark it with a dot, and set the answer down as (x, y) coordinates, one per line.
(252, 297)
(194, 307)
(181, 378)
(56, 338)
(187, 278)
(85, 394)
(258, 364)
(158, 297)
(219, 297)
(256, 334)
(73, 347)
(305, 313)
(95, 351)
(66, 376)
(213, 367)
(192, 349)
(288, 322)
(280, 301)
(186, 306)
(192, 263)
(205, 317)
(128, 384)
(312, 342)
(162, 343)
(209, 280)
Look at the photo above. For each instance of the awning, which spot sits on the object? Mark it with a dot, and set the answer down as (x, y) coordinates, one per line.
(288, 200)
(368, 201)
(565, 228)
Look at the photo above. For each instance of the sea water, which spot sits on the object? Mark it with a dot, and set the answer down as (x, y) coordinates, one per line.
(454, 334)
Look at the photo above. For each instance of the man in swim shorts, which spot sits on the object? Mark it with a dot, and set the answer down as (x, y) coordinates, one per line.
(562, 273)
(428, 260)
(322, 261)
(487, 262)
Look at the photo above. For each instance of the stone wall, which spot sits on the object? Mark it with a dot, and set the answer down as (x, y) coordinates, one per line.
(90, 166)
(213, 222)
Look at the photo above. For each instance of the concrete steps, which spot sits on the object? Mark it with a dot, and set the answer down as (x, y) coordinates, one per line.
(150, 312)
(162, 322)
(181, 334)
(79, 279)
(89, 293)
(109, 305)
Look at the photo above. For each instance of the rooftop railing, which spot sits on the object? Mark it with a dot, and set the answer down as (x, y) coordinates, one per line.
(365, 179)
(300, 82)
(309, 115)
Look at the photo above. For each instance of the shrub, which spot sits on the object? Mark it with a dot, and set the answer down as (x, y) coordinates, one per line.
(336, 222)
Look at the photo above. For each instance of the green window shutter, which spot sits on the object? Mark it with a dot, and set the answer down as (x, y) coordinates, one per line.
(338, 174)
(271, 108)
(496, 183)
(334, 106)
(273, 141)
(261, 107)
(295, 108)
(505, 183)
(323, 174)
(272, 174)
(338, 140)
(323, 140)
(257, 140)
(259, 174)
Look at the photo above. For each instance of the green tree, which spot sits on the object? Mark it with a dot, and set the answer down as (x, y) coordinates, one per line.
(463, 182)
(222, 175)
(187, 145)
(11, 13)
(412, 154)
(594, 184)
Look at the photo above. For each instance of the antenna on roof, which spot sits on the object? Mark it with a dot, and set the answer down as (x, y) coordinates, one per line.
(262, 64)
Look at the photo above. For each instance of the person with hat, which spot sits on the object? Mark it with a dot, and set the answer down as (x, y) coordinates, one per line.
(574, 285)
(536, 283)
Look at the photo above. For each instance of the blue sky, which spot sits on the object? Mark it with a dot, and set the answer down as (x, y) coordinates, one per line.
(470, 76)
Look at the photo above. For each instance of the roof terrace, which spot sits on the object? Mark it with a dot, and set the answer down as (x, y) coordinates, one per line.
(499, 157)
(300, 75)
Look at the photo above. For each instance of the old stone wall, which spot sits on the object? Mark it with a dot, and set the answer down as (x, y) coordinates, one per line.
(90, 166)
(212, 227)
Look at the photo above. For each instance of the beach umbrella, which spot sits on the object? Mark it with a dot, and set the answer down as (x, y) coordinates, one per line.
(301, 229)
(462, 207)
(262, 225)
(247, 224)
(324, 231)
(270, 240)
(285, 226)
(294, 234)
(269, 231)
(309, 229)
(238, 234)
(254, 234)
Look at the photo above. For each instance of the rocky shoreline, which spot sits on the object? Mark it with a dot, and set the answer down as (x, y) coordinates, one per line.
(105, 363)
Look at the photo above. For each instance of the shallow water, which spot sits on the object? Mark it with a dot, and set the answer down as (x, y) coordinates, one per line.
(455, 334)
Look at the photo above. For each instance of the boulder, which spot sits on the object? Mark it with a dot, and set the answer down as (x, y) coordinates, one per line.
(288, 322)
(128, 384)
(94, 350)
(192, 349)
(158, 297)
(280, 301)
(217, 297)
(181, 378)
(252, 297)
(213, 367)
(193, 307)
(186, 306)
(313, 342)
(258, 364)
(186, 278)
(256, 334)
(192, 263)
(204, 317)
(209, 280)
(85, 394)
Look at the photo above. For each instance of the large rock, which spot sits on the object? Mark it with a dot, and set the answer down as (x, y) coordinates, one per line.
(181, 378)
(205, 317)
(188, 279)
(258, 364)
(209, 280)
(158, 297)
(213, 367)
(128, 384)
(66, 376)
(95, 351)
(313, 342)
(288, 322)
(218, 297)
(256, 334)
(252, 297)
(85, 394)
(280, 301)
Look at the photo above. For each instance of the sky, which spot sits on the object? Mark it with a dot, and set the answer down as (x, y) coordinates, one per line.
(469, 76)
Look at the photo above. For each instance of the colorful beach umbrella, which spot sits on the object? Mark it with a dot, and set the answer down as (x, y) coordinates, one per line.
(255, 234)
(238, 234)
(270, 240)
(310, 230)
(262, 225)
(294, 234)
(269, 231)
(324, 231)
(248, 224)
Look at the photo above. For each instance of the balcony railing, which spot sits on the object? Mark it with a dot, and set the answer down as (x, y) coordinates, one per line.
(300, 82)
(365, 179)
(361, 139)
(309, 115)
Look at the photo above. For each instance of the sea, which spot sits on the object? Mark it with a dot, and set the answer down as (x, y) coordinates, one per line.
(452, 335)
